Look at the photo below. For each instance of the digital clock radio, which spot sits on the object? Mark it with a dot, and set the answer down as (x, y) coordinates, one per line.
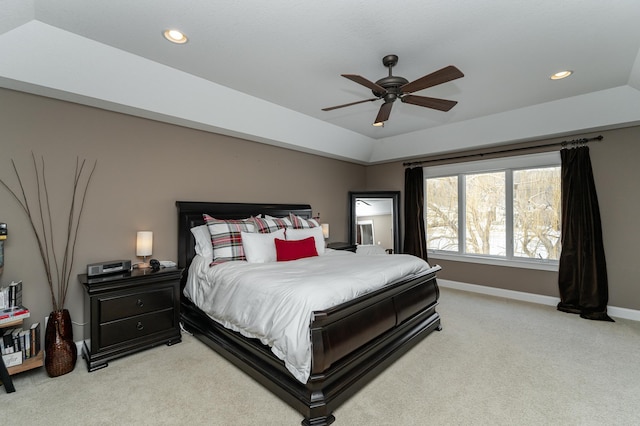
(103, 268)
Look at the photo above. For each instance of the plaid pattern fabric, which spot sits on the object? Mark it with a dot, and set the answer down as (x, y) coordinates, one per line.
(270, 224)
(301, 223)
(226, 238)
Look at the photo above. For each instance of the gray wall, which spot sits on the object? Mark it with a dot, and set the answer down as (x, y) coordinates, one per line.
(143, 168)
(616, 171)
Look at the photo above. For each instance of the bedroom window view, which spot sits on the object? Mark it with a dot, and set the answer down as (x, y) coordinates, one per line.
(511, 214)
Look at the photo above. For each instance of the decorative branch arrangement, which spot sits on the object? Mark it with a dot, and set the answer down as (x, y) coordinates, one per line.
(58, 266)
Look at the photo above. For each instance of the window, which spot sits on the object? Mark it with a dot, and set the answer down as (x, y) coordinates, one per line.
(503, 211)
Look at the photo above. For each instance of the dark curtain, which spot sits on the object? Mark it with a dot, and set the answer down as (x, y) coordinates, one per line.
(582, 276)
(415, 241)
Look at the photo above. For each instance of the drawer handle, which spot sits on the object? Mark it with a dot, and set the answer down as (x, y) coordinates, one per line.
(140, 303)
(140, 327)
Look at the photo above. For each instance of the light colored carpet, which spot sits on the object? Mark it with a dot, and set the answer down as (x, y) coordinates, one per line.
(497, 362)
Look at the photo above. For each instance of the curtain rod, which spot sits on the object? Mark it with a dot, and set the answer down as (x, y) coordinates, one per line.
(524, 148)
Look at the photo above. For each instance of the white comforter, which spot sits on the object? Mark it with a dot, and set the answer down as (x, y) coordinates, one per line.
(274, 301)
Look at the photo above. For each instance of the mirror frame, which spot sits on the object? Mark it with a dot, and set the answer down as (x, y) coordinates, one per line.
(394, 196)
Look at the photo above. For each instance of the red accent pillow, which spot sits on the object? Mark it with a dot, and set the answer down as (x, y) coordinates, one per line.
(295, 249)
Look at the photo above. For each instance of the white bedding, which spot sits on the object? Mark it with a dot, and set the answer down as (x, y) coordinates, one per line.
(274, 301)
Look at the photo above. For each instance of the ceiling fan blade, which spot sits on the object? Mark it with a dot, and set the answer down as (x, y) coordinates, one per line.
(349, 104)
(383, 114)
(437, 77)
(423, 101)
(366, 83)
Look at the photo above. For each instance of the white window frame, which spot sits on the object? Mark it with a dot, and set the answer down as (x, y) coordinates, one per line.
(548, 159)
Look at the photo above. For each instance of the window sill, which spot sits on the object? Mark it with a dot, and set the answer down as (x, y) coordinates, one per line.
(485, 260)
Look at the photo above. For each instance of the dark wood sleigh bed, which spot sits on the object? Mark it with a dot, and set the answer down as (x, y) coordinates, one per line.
(351, 343)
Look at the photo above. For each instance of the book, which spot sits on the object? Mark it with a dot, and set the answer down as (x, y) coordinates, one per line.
(15, 293)
(17, 343)
(15, 313)
(7, 342)
(35, 339)
(25, 337)
(11, 295)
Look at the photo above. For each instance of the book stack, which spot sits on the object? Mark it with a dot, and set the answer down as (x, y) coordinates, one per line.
(18, 344)
(12, 314)
(11, 295)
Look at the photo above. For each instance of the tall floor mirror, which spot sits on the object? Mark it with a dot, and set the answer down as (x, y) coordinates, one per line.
(374, 220)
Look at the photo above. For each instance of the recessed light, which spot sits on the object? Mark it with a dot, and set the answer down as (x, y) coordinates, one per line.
(175, 36)
(560, 75)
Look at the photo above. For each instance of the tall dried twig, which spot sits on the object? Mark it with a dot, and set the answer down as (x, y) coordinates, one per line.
(58, 274)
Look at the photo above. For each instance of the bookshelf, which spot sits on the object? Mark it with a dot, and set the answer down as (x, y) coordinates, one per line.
(27, 364)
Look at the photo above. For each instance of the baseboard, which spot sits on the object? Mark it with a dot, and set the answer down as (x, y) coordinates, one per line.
(625, 313)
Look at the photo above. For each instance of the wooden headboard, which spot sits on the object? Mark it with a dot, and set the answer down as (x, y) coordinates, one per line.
(190, 215)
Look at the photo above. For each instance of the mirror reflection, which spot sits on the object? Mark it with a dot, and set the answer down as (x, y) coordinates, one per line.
(374, 221)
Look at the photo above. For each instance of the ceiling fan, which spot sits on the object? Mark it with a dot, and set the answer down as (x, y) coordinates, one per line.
(394, 87)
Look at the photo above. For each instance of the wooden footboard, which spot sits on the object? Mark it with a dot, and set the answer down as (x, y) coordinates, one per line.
(337, 331)
(351, 343)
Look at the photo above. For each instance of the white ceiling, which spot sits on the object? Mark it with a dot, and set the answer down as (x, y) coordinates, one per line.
(374, 206)
(262, 70)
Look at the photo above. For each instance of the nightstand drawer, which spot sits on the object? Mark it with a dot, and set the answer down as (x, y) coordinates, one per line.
(131, 328)
(119, 307)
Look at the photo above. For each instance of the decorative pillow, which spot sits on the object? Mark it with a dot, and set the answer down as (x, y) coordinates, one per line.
(316, 233)
(296, 249)
(203, 241)
(298, 222)
(270, 224)
(226, 238)
(260, 248)
(286, 219)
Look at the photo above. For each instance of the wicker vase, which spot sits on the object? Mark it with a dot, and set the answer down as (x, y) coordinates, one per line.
(60, 350)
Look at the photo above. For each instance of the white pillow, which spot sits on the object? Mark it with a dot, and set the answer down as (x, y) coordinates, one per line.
(301, 234)
(261, 248)
(203, 241)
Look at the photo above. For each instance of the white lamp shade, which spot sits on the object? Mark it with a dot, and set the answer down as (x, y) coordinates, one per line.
(144, 243)
(325, 230)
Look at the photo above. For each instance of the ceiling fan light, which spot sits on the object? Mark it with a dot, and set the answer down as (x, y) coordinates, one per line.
(379, 124)
(175, 36)
(561, 74)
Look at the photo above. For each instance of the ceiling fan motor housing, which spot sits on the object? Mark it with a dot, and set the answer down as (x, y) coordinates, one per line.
(391, 84)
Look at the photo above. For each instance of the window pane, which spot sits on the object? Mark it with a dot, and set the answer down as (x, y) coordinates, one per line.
(485, 214)
(536, 213)
(442, 213)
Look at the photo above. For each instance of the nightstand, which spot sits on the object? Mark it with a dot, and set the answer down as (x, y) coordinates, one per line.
(129, 312)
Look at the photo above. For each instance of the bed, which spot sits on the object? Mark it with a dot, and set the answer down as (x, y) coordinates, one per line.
(351, 343)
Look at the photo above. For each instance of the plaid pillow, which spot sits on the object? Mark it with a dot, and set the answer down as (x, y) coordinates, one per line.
(301, 223)
(226, 238)
(270, 224)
